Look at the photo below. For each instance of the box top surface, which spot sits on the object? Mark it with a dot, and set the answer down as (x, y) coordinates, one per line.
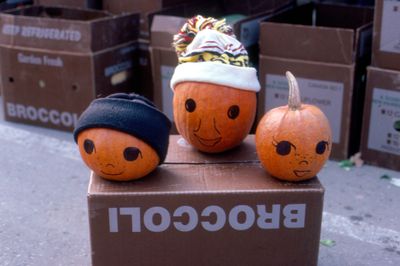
(66, 28)
(188, 171)
(316, 32)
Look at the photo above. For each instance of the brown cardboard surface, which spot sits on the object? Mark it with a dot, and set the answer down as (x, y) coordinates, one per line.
(182, 152)
(235, 189)
(383, 58)
(331, 37)
(163, 61)
(144, 7)
(66, 29)
(343, 74)
(51, 88)
(389, 81)
(145, 70)
(303, 42)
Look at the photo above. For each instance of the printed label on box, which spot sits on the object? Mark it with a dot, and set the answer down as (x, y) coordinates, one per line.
(384, 124)
(42, 33)
(166, 93)
(41, 114)
(44, 60)
(390, 29)
(327, 95)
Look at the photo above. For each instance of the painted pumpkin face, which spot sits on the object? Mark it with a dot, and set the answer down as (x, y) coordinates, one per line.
(115, 155)
(293, 142)
(213, 118)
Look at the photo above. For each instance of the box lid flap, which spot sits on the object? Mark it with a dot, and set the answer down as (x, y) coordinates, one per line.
(315, 32)
(307, 42)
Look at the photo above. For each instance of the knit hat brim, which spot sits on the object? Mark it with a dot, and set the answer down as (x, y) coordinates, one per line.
(244, 78)
(134, 117)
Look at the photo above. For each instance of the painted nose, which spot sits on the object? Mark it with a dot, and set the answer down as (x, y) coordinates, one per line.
(303, 162)
(206, 126)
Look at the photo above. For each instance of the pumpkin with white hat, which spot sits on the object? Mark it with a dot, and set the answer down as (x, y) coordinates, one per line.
(214, 87)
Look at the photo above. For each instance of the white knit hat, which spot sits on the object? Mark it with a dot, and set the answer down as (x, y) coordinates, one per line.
(209, 52)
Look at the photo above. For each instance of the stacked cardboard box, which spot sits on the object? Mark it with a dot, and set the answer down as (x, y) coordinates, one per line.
(327, 47)
(143, 7)
(168, 22)
(56, 60)
(381, 126)
(199, 209)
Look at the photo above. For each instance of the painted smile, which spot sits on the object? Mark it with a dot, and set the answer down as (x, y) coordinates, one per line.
(301, 173)
(111, 173)
(208, 142)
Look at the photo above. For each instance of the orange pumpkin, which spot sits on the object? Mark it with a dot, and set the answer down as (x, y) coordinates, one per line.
(293, 142)
(213, 118)
(122, 159)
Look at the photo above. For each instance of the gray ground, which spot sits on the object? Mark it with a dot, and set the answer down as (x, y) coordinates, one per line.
(43, 211)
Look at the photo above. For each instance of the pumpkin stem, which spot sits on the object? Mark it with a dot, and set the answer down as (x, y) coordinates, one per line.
(294, 93)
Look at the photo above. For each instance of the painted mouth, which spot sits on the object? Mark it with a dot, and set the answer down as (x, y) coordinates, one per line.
(208, 142)
(111, 173)
(301, 173)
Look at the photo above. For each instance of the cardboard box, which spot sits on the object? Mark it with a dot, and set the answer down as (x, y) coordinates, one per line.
(96, 4)
(60, 65)
(328, 56)
(381, 126)
(199, 209)
(66, 29)
(386, 44)
(145, 75)
(144, 7)
(165, 24)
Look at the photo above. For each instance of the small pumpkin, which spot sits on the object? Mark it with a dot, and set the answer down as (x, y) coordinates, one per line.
(122, 137)
(116, 155)
(213, 118)
(214, 88)
(294, 141)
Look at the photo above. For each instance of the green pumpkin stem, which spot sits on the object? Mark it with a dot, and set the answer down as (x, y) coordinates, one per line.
(294, 93)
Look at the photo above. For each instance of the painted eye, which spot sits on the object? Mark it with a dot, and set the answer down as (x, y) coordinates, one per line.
(396, 125)
(132, 153)
(190, 105)
(88, 145)
(283, 147)
(321, 147)
(233, 111)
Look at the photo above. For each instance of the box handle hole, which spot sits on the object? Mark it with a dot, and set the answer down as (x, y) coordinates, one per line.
(11, 79)
(119, 77)
(75, 87)
(42, 83)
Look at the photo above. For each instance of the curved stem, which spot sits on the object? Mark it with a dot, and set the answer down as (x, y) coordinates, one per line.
(294, 93)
